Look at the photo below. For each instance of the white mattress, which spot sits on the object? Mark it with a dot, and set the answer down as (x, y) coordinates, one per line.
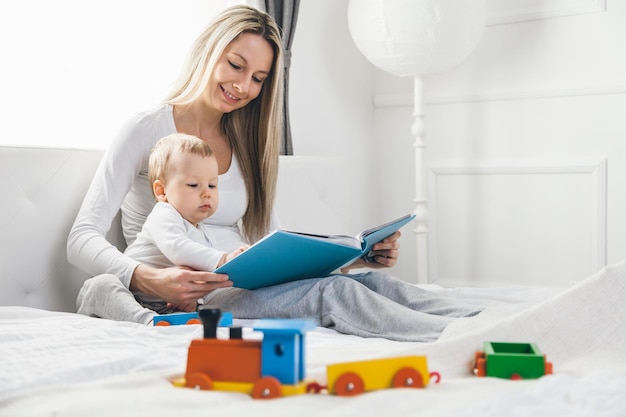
(63, 364)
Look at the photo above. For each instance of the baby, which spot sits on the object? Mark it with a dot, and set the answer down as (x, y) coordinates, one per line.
(183, 172)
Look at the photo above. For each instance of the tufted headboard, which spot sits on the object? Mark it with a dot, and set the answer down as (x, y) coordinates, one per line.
(43, 188)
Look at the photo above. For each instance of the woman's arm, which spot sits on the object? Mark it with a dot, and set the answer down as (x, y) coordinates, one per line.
(87, 246)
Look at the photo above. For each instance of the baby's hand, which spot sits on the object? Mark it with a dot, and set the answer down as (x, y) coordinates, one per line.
(240, 250)
(233, 254)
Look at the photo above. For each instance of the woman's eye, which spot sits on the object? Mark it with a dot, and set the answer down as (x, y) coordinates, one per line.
(235, 66)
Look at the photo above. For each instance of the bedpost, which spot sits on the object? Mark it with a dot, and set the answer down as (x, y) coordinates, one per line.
(421, 183)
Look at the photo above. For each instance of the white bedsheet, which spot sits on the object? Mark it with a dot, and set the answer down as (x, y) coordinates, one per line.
(61, 364)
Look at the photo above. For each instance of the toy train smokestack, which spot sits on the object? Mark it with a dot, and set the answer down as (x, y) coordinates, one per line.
(210, 317)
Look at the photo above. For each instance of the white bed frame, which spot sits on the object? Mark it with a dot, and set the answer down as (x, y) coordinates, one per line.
(44, 187)
(65, 364)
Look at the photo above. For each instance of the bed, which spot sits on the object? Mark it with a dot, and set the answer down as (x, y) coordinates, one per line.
(57, 363)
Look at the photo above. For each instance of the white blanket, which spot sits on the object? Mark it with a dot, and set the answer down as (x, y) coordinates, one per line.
(60, 364)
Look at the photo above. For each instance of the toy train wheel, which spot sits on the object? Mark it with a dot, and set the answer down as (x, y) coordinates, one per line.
(266, 388)
(408, 378)
(194, 321)
(349, 384)
(199, 381)
(163, 323)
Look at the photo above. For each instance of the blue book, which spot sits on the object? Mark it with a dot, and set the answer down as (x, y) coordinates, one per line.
(284, 256)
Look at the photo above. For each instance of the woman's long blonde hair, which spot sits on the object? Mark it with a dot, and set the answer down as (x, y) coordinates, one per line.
(253, 131)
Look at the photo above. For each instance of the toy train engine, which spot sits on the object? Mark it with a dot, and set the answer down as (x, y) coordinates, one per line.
(267, 368)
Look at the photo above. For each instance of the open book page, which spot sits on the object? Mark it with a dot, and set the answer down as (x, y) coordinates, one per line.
(367, 237)
(344, 240)
(403, 220)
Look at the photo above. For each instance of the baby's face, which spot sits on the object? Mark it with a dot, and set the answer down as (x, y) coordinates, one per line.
(191, 186)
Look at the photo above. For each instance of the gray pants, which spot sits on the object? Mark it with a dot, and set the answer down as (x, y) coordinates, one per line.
(372, 304)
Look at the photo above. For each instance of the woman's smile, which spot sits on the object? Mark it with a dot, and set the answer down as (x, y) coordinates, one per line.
(231, 98)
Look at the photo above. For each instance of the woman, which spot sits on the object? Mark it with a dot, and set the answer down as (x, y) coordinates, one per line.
(229, 95)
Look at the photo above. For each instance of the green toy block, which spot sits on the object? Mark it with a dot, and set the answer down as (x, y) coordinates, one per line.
(508, 360)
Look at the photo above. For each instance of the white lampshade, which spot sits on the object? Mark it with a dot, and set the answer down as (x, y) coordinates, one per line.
(416, 37)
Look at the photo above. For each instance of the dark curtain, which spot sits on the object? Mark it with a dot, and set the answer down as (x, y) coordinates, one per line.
(285, 12)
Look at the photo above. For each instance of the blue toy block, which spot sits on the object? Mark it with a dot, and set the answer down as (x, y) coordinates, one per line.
(283, 348)
(177, 319)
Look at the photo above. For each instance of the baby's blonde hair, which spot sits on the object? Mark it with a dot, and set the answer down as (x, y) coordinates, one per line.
(159, 162)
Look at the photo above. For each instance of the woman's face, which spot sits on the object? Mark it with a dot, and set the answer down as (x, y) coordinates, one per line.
(240, 72)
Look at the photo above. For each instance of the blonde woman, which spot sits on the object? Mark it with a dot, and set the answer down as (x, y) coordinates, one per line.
(229, 94)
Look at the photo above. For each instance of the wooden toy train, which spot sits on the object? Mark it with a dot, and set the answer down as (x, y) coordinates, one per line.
(275, 366)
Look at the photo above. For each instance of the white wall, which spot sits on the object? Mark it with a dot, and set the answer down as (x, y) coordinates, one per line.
(72, 71)
(331, 107)
(525, 138)
(526, 152)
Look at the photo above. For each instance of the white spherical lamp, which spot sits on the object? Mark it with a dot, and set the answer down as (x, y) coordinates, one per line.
(411, 37)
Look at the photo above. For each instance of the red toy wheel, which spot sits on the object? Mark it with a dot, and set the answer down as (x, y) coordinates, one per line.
(408, 378)
(349, 384)
(199, 381)
(194, 321)
(266, 388)
(163, 323)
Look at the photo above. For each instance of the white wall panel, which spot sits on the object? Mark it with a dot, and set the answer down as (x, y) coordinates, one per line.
(512, 11)
(542, 225)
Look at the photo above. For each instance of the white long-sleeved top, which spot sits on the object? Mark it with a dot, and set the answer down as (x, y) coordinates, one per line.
(121, 183)
(167, 239)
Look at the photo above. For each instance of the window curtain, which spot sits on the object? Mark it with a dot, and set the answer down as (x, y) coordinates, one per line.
(285, 12)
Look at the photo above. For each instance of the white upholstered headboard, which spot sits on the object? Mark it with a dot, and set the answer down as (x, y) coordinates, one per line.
(42, 190)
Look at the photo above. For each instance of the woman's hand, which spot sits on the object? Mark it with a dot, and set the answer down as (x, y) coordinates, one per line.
(385, 254)
(180, 287)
